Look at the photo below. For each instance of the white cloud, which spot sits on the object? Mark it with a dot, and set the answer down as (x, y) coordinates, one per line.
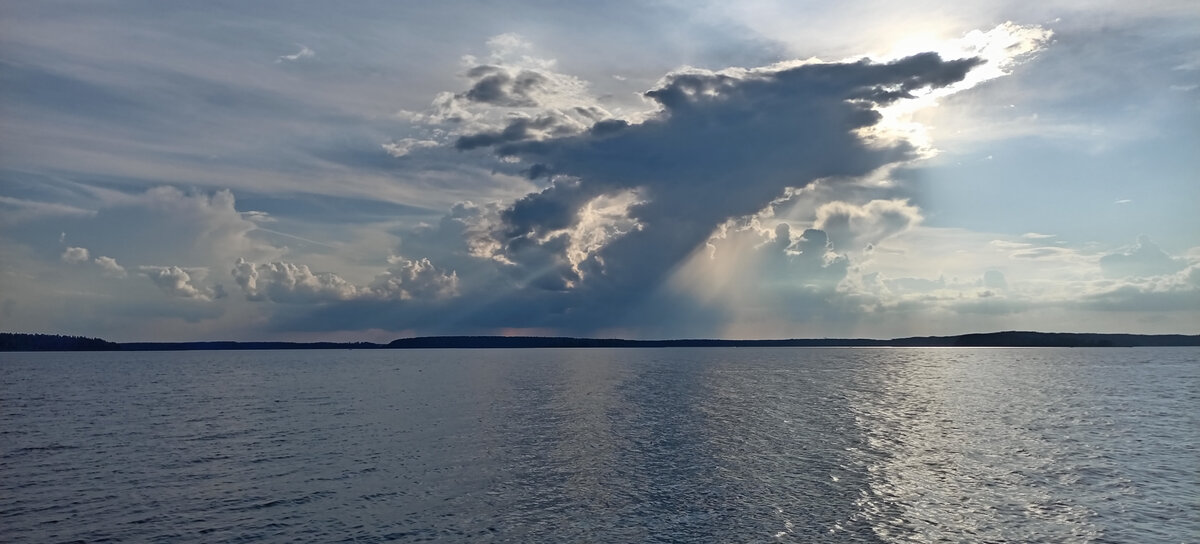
(19, 210)
(290, 283)
(1041, 253)
(284, 282)
(853, 226)
(509, 90)
(303, 53)
(110, 268)
(258, 216)
(1170, 292)
(1000, 49)
(408, 279)
(505, 45)
(181, 282)
(108, 265)
(1142, 259)
(994, 279)
(166, 224)
(402, 147)
(75, 255)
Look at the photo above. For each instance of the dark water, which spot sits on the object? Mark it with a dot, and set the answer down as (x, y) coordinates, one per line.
(607, 445)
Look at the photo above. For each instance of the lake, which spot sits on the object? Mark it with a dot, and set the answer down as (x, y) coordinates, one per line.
(602, 445)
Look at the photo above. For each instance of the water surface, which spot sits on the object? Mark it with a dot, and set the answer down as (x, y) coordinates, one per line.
(602, 445)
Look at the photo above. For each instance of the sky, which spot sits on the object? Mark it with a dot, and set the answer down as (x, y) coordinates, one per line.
(760, 169)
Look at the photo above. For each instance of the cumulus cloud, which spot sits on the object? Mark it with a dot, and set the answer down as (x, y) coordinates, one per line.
(497, 86)
(852, 226)
(723, 145)
(75, 255)
(79, 255)
(512, 96)
(625, 201)
(168, 225)
(988, 293)
(1172, 292)
(1144, 258)
(182, 282)
(634, 206)
(407, 279)
(1069, 282)
(289, 283)
(109, 267)
(284, 282)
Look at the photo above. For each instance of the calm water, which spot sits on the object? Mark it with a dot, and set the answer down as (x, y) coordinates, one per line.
(607, 445)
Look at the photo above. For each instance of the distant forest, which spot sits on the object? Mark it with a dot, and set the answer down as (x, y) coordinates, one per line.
(53, 342)
(47, 342)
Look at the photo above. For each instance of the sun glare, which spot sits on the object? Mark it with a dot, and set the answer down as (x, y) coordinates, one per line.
(1000, 48)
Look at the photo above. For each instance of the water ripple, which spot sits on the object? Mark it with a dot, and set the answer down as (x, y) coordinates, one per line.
(670, 445)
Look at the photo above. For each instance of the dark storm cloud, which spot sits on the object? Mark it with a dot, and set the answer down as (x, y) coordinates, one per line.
(494, 85)
(521, 128)
(724, 145)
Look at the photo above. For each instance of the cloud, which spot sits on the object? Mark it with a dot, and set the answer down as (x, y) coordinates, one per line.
(510, 97)
(18, 210)
(290, 283)
(180, 282)
(1174, 292)
(110, 268)
(918, 285)
(303, 53)
(1041, 253)
(723, 145)
(402, 147)
(108, 265)
(166, 224)
(994, 279)
(1009, 244)
(854, 227)
(1142, 259)
(1031, 291)
(505, 45)
(499, 87)
(75, 255)
(409, 279)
